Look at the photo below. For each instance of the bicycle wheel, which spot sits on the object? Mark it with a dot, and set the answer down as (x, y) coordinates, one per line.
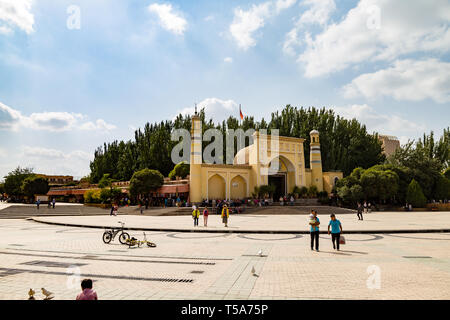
(151, 244)
(107, 237)
(123, 237)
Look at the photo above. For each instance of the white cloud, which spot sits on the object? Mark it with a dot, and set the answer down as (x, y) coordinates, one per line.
(39, 152)
(228, 59)
(53, 161)
(319, 12)
(390, 124)
(247, 22)
(11, 119)
(16, 13)
(169, 19)
(405, 27)
(215, 109)
(405, 80)
(281, 5)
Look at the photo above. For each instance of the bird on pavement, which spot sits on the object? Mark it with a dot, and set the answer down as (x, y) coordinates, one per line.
(260, 252)
(48, 295)
(31, 294)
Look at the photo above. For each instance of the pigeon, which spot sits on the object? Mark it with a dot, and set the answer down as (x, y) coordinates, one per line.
(260, 252)
(31, 294)
(48, 295)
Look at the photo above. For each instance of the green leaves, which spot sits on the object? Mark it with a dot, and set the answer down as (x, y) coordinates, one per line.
(34, 185)
(180, 170)
(415, 196)
(14, 180)
(145, 181)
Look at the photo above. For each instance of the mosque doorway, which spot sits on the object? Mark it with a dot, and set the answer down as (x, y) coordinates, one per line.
(279, 181)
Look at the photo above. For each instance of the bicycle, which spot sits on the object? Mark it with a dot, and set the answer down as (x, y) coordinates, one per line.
(135, 242)
(109, 235)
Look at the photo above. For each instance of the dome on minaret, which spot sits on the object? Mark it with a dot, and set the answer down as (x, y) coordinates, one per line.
(314, 132)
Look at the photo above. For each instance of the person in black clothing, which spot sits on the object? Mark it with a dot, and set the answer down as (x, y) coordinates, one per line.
(360, 210)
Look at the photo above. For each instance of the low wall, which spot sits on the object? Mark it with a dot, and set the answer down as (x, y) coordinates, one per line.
(438, 206)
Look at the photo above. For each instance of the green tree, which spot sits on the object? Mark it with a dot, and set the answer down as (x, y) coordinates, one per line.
(110, 195)
(442, 189)
(180, 170)
(105, 181)
(14, 181)
(34, 185)
(2, 188)
(415, 196)
(145, 181)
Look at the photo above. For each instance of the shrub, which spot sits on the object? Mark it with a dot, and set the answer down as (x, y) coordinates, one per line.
(415, 195)
(312, 191)
(92, 196)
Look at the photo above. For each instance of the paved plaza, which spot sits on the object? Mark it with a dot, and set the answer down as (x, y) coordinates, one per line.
(191, 265)
(270, 223)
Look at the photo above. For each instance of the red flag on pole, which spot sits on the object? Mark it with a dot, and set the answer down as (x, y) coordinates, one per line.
(240, 113)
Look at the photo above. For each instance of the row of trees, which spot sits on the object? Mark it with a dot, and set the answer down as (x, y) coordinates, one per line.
(23, 182)
(346, 144)
(416, 173)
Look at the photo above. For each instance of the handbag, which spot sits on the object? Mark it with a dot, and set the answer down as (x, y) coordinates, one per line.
(341, 240)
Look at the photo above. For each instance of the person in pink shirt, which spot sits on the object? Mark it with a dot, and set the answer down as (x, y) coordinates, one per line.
(87, 292)
(205, 217)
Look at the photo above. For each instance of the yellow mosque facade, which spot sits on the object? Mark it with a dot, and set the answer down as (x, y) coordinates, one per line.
(261, 163)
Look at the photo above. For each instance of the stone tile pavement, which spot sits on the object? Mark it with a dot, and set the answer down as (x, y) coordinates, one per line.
(34, 255)
(379, 221)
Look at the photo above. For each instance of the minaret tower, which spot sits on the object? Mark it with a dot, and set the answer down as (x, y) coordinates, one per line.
(195, 186)
(315, 160)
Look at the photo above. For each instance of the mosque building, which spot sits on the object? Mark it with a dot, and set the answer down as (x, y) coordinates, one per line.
(282, 166)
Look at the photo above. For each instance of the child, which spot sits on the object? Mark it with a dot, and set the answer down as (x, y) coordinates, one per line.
(312, 218)
(87, 293)
(205, 217)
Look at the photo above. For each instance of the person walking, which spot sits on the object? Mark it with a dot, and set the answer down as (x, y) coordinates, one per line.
(365, 207)
(205, 217)
(315, 222)
(112, 209)
(360, 210)
(336, 229)
(195, 216)
(225, 214)
(53, 203)
(86, 291)
(38, 202)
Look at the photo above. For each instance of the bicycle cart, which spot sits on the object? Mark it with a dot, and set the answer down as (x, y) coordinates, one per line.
(109, 235)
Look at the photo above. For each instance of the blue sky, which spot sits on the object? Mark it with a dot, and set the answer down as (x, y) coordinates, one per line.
(65, 90)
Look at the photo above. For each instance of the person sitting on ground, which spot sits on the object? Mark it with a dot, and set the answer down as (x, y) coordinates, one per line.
(86, 291)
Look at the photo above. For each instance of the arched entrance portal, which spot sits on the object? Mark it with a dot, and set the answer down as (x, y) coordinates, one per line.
(282, 176)
(216, 187)
(238, 188)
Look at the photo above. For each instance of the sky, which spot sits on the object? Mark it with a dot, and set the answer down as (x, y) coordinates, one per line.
(75, 74)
